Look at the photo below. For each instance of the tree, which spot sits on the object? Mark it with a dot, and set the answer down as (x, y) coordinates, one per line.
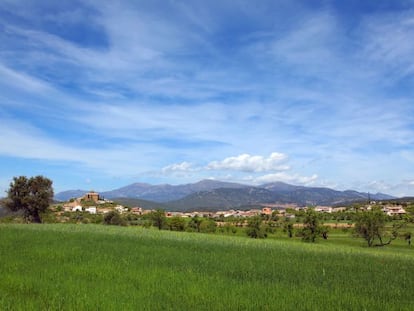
(370, 225)
(30, 195)
(208, 226)
(311, 227)
(288, 228)
(255, 228)
(176, 223)
(195, 223)
(158, 218)
(324, 230)
(114, 218)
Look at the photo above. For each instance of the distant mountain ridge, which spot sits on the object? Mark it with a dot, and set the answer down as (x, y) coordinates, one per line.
(213, 195)
(69, 194)
(166, 192)
(223, 198)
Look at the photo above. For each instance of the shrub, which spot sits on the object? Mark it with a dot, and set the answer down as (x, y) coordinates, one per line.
(114, 218)
(176, 223)
(255, 228)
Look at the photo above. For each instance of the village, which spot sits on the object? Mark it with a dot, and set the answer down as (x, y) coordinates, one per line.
(92, 203)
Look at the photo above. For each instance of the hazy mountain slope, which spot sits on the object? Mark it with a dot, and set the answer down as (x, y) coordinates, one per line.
(223, 198)
(217, 195)
(166, 192)
(69, 194)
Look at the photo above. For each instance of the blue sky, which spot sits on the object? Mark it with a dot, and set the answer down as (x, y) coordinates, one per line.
(100, 94)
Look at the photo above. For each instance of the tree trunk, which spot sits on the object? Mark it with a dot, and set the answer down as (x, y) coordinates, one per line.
(36, 217)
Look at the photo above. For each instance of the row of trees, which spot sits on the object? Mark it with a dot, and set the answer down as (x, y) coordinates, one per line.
(371, 225)
(196, 224)
(310, 231)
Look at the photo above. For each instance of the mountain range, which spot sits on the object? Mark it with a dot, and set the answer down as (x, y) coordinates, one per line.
(213, 195)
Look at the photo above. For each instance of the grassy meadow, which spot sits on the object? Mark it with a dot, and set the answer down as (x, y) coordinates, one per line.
(95, 267)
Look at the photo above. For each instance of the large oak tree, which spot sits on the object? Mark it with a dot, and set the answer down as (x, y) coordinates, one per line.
(31, 195)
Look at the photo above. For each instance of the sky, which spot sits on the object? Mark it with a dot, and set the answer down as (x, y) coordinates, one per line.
(97, 94)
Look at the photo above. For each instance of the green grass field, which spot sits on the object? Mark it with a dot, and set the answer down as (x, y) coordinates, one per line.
(96, 267)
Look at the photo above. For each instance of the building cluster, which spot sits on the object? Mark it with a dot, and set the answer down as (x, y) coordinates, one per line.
(78, 205)
(270, 209)
(394, 210)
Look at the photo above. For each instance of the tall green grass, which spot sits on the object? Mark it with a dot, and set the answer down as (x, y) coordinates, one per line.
(91, 267)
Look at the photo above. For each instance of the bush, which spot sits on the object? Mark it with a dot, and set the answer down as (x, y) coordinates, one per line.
(208, 226)
(176, 223)
(255, 228)
(114, 218)
(311, 226)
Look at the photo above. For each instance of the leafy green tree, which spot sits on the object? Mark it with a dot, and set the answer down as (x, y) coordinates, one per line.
(288, 228)
(114, 218)
(31, 195)
(370, 225)
(176, 223)
(255, 228)
(208, 226)
(195, 223)
(158, 218)
(311, 226)
(275, 216)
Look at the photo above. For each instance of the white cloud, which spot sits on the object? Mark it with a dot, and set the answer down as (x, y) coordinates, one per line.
(251, 163)
(178, 167)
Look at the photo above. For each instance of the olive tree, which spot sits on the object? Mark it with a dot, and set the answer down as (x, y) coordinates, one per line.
(255, 228)
(311, 226)
(370, 225)
(176, 223)
(158, 218)
(114, 218)
(31, 195)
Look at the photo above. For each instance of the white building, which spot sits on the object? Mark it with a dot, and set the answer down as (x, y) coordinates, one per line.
(91, 210)
(77, 208)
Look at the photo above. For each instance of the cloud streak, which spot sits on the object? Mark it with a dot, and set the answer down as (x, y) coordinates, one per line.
(214, 87)
(249, 163)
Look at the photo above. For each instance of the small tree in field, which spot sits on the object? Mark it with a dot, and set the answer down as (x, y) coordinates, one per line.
(158, 218)
(114, 218)
(255, 228)
(30, 195)
(370, 225)
(176, 223)
(195, 223)
(311, 227)
(208, 226)
(288, 228)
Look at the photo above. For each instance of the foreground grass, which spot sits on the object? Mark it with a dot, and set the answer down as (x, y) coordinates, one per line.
(92, 267)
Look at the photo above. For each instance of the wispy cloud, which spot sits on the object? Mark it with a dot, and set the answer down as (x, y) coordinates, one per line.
(251, 163)
(215, 87)
(288, 178)
(386, 43)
